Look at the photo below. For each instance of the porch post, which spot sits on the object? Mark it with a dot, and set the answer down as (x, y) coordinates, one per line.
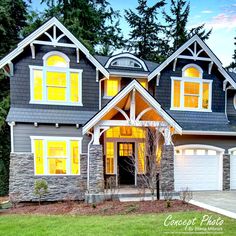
(96, 175)
(167, 163)
(226, 171)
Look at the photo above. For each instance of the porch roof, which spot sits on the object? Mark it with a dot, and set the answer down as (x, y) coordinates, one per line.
(134, 85)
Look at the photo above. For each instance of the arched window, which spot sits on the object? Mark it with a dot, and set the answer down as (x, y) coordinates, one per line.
(126, 62)
(191, 91)
(55, 82)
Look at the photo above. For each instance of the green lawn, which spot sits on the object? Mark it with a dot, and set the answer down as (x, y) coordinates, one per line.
(151, 224)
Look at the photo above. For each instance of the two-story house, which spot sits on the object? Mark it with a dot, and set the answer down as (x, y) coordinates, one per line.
(76, 118)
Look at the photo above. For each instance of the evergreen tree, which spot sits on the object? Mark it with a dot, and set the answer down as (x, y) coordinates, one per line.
(232, 65)
(93, 22)
(146, 40)
(177, 24)
(12, 20)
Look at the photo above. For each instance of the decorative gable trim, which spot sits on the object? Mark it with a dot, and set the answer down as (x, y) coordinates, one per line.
(133, 85)
(54, 41)
(195, 56)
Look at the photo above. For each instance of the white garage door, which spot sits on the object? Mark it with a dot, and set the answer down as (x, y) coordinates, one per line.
(197, 168)
(233, 170)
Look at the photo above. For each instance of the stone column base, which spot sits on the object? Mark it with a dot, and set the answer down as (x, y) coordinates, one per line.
(226, 172)
(94, 197)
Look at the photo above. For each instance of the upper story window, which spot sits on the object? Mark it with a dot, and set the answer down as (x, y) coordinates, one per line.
(112, 87)
(126, 62)
(191, 91)
(55, 82)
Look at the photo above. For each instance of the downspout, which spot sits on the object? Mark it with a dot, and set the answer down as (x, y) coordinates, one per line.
(89, 159)
(100, 92)
(11, 124)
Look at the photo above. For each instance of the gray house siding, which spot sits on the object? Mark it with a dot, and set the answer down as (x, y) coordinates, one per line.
(20, 82)
(22, 133)
(163, 91)
(225, 142)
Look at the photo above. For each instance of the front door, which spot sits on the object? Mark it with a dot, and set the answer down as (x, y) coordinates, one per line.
(126, 163)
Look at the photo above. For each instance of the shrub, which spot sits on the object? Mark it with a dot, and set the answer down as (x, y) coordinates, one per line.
(186, 195)
(40, 188)
(94, 205)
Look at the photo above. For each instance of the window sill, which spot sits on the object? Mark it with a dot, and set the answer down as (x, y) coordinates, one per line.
(189, 109)
(57, 103)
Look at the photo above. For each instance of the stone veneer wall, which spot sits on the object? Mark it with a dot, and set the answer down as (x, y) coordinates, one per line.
(22, 178)
(167, 168)
(96, 170)
(226, 172)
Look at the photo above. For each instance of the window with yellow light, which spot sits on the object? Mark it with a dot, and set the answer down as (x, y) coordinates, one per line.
(55, 157)
(112, 87)
(55, 82)
(191, 91)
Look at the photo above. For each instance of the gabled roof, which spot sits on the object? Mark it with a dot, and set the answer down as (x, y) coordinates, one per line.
(207, 50)
(46, 26)
(145, 94)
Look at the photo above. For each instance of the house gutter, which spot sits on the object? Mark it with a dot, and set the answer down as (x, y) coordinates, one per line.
(88, 160)
(100, 92)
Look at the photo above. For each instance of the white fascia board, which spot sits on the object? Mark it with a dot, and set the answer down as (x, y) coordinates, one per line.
(200, 132)
(129, 74)
(133, 85)
(182, 48)
(39, 32)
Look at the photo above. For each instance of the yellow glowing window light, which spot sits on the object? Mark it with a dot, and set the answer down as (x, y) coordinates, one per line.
(192, 72)
(191, 94)
(56, 151)
(125, 132)
(56, 86)
(109, 158)
(74, 152)
(176, 93)
(112, 87)
(141, 158)
(74, 87)
(57, 61)
(143, 83)
(125, 149)
(38, 85)
(38, 152)
(205, 96)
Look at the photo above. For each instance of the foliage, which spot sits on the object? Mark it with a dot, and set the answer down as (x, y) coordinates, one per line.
(232, 65)
(177, 24)
(94, 22)
(146, 40)
(40, 188)
(12, 18)
(186, 195)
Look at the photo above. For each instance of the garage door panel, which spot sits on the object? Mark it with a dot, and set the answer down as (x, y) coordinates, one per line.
(197, 172)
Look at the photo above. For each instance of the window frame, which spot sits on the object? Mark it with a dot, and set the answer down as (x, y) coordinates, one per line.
(105, 96)
(46, 69)
(200, 81)
(45, 158)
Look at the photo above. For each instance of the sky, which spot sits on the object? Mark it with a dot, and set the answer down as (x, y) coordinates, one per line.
(220, 15)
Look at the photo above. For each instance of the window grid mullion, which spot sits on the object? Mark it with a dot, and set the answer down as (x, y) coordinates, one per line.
(67, 85)
(45, 156)
(200, 96)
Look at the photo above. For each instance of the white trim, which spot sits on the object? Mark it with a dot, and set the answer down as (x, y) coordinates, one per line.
(231, 150)
(234, 101)
(200, 81)
(201, 132)
(194, 66)
(12, 124)
(128, 74)
(56, 138)
(44, 69)
(133, 85)
(213, 58)
(127, 55)
(52, 22)
(57, 53)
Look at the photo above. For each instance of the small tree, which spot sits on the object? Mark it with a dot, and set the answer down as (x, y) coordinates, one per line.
(148, 179)
(40, 188)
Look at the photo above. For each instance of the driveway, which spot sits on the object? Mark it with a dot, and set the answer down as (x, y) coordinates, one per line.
(220, 199)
